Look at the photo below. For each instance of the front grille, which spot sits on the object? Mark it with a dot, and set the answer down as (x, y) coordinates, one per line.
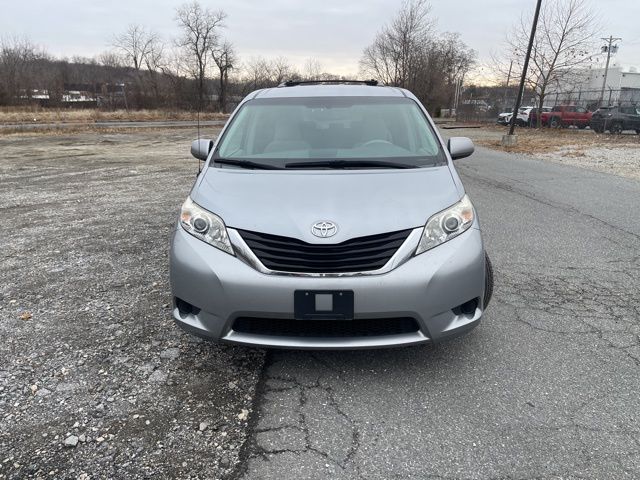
(326, 328)
(287, 254)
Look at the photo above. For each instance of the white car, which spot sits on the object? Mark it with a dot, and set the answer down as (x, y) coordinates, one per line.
(522, 120)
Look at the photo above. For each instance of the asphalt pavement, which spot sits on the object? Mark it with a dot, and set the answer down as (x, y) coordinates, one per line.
(546, 387)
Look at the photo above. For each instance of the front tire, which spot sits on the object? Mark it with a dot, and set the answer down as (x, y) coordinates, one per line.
(488, 281)
(616, 128)
(555, 123)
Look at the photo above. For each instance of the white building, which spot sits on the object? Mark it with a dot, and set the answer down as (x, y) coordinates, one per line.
(622, 86)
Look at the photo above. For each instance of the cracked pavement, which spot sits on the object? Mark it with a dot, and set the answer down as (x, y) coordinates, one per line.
(546, 387)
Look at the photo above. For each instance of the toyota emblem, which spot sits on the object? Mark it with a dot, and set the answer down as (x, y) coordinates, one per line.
(324, 229)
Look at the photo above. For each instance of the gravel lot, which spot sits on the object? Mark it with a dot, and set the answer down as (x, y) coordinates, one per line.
(95, 379)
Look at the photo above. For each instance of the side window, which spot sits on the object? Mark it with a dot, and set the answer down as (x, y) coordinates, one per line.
(581, 110)
(570, 109)
(556, 109)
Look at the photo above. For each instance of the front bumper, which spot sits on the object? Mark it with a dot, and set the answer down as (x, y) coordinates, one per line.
(425, 288)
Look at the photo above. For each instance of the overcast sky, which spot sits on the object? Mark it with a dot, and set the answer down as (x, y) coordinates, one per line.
(333, 31)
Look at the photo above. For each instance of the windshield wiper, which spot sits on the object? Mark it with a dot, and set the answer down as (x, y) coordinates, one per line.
(349, 164)
(246, 164)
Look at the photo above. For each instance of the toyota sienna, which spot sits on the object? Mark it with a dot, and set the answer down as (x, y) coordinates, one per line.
(329, 215)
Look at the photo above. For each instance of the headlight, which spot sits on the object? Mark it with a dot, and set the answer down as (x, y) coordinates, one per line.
(446, 225)
(205, 226)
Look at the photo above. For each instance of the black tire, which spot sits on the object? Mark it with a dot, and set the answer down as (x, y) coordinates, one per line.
(488, 281)
(582, 127)
(555, 123)
(616, 128)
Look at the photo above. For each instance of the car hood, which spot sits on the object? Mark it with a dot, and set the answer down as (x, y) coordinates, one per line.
(359, 202)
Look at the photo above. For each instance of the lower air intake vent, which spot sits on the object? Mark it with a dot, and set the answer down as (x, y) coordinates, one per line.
(326, 328)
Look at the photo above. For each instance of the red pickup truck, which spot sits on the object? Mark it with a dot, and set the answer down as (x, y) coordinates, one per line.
(566, 115)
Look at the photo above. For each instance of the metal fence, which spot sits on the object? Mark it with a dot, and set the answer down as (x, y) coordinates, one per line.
(487, 109)
(590, 99)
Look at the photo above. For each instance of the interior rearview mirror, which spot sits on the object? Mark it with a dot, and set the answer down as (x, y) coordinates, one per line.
(201, 148)
(460, 147)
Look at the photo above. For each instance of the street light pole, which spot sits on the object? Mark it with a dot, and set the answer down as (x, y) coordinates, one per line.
(514, 117)
(611, 39)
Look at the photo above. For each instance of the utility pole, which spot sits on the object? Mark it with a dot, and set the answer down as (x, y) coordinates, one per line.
(510, 139)
(608, 49)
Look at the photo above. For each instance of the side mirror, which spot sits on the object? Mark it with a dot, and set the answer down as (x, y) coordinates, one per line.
(460, 147)
(201, 148)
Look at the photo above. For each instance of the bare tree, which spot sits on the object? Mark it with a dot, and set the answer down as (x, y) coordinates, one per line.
(312, 69)
(135, 44)
(281, 70)
(394, 53)
(259, 72)
(409, 53)
(562, 47)
(17, 57)
(199, 36)
(110, 59)
(224, 56)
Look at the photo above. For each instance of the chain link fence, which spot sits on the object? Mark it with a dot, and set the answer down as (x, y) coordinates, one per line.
(487, 109)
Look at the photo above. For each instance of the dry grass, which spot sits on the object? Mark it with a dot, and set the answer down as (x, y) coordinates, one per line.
(545, 140)
(612, 154)
(19, 115)
(79, 128)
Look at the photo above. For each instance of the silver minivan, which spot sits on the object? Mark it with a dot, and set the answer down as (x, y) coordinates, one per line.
(329, 216)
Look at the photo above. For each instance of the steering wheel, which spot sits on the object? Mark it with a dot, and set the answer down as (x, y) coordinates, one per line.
(375, 141)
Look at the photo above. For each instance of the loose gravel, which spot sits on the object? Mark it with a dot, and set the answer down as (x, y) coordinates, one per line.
(96, 381)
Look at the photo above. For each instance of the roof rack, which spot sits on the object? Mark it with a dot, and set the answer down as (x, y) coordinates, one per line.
(293, 83)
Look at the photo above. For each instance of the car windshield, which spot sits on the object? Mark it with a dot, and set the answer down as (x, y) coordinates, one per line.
(281, 131)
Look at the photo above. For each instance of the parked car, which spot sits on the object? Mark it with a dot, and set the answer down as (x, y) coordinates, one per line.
(522, 120)
(616, 119)
(533, 115)
(562, 116)
(504, 118)
(282, 242)
(524, 114)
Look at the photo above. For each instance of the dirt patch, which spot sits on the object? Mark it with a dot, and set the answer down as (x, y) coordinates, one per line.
(96, 380)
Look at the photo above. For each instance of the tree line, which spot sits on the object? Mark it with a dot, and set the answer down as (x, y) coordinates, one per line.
(201, 69)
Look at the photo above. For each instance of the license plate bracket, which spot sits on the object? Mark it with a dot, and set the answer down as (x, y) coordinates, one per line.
(323, 304)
